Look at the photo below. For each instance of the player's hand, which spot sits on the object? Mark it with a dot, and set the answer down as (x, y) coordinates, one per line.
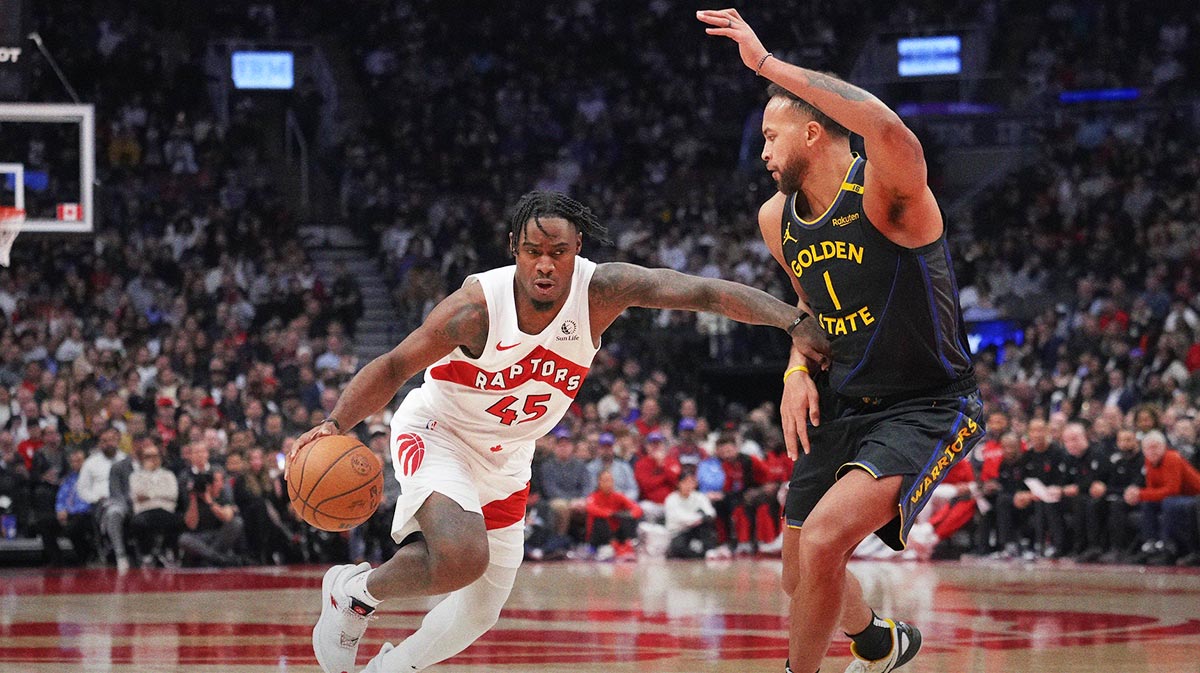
(323, 430)
(729, 23)
(799, 407)
(810, 341)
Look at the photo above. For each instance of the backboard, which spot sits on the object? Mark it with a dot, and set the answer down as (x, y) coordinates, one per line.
(48, 165)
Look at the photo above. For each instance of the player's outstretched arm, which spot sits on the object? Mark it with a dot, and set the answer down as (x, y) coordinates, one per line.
(892, 147)
(616, 286)
(459, 321)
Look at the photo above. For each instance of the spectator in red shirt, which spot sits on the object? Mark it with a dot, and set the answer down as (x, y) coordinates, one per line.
(27, 447)
(657, 476)
(951, 507)
(775, 467)
(1110, 313)
(27, 423)
(989, 454)
(1168, 503)
(164, 421)
(764, 503)
(612, 520)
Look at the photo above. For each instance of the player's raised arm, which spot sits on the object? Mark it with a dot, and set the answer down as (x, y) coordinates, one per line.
(458, 321)
(896, 155)
(617, 286)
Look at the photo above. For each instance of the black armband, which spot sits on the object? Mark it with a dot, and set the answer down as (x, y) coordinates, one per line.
(795, 323)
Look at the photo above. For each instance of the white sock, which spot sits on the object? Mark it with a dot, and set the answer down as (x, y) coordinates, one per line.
(452, 625)
(356, 587)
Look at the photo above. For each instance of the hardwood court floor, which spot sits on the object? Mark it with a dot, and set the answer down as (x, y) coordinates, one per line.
(591, 617)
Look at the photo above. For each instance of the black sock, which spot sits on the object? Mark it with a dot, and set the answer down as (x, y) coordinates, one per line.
(875, 641)
(787, 666)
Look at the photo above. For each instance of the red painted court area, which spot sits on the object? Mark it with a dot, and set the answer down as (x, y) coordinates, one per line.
(594, 617)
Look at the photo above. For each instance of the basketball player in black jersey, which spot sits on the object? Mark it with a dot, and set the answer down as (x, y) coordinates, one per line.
(865, 246)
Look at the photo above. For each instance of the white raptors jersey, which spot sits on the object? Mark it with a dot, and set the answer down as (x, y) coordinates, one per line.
(522, 384)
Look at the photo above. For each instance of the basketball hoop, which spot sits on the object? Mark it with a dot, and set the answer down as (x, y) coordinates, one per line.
(11, 220)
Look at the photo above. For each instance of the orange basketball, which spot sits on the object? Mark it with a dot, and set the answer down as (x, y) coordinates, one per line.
(335, 483)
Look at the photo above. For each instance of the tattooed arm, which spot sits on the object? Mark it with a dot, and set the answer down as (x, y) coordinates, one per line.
(897, 159)
(897, 198)
(617, 286)
(459, 321)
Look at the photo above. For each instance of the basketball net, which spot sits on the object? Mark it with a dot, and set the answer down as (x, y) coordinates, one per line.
(11, 220)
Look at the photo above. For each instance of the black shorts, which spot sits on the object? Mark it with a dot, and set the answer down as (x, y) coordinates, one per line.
(919, 438)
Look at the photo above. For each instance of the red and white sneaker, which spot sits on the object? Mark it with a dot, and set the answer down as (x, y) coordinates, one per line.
(343, 621)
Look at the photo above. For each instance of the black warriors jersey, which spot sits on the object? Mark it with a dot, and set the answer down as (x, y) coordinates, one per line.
(891, 313)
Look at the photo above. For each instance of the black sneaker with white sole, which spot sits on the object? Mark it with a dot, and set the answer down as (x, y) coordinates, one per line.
(906, 642)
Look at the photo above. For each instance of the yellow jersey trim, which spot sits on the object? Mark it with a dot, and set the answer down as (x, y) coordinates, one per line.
(847, 186)
(863, 466)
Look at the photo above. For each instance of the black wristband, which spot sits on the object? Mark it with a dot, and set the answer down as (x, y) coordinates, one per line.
(795, 323)
(330, 419)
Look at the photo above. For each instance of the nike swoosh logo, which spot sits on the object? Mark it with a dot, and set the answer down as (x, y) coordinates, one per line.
(502, 347)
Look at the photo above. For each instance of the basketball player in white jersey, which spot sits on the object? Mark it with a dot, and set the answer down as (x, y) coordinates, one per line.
(504, 356)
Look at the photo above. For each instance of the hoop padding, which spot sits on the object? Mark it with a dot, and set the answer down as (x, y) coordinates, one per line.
(11, 220)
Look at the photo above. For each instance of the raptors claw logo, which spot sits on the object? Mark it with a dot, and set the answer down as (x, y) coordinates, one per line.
(410, 451)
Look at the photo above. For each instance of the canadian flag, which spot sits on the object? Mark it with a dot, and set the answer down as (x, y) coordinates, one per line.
(70, 212)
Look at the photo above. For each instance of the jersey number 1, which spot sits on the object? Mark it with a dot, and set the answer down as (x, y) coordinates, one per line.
(534, 408)
(832, 295)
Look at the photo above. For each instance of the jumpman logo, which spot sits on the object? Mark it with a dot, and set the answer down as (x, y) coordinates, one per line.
(787, 234)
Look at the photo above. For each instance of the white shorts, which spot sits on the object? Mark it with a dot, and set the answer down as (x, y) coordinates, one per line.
(428, 458)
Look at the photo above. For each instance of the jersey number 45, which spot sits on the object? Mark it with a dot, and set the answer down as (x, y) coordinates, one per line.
(533, 409)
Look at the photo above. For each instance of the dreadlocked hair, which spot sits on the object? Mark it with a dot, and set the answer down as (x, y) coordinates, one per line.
(801, 105)
(536, 205)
